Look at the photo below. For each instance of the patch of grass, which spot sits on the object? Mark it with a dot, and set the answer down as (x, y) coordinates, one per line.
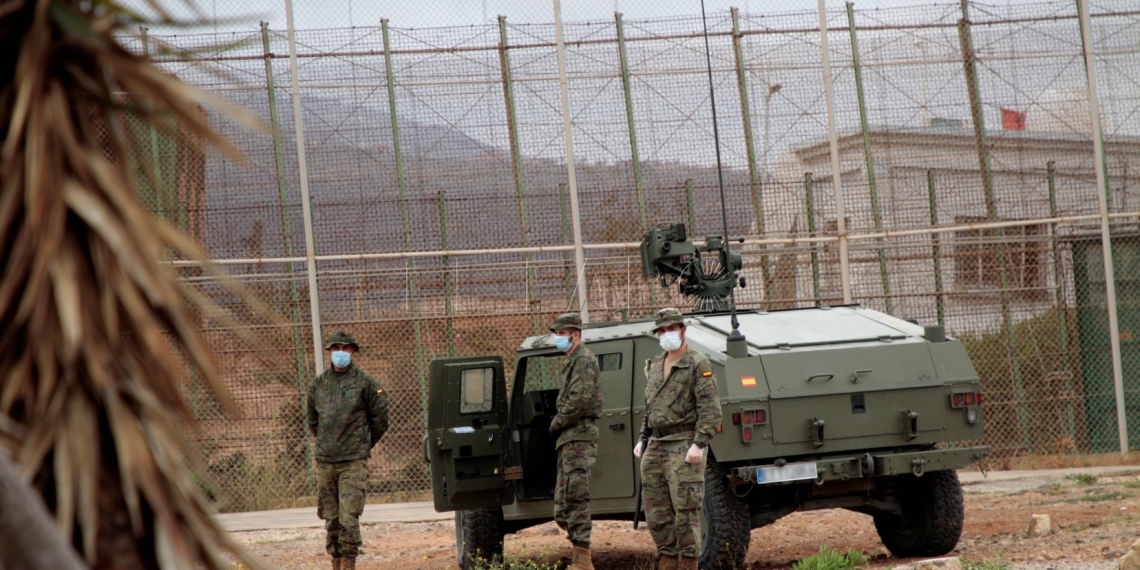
(831, 559)
(999, 564)
(1110, 496)
(1133, 484)
(1082, 479)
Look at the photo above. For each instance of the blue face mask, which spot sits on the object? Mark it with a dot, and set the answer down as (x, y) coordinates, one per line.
(563, 343)
(341, 358)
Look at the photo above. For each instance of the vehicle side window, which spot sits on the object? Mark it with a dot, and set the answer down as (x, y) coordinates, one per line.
(609, 362)
(477, 386)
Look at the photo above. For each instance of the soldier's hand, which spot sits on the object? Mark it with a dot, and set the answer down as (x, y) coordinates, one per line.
(554, 430)
(695, 454)
(638, 450)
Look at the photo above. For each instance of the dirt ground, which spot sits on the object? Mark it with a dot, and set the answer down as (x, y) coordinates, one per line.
(1094, 522)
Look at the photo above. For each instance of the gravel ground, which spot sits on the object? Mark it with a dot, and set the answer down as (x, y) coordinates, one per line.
(1093, 525)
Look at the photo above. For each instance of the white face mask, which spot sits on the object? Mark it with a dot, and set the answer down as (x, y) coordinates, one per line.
(670, 341)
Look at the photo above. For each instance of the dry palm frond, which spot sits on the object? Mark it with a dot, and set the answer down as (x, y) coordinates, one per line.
(91, 317)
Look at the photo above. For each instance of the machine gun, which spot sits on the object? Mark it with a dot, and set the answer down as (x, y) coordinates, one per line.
(707, 273)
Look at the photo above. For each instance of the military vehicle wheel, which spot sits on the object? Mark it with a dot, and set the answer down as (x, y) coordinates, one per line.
(726, 528)
(932, 518)
(479, 535)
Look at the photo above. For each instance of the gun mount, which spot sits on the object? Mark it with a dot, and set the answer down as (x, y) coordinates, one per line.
(707, 273)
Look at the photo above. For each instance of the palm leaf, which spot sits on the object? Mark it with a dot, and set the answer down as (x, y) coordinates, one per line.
(99, 334)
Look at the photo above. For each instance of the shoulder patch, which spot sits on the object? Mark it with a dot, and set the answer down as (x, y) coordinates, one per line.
(382, 391)
(706, 373)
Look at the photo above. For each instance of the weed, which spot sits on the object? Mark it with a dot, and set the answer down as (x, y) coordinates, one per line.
(1133, 484)
(998, 564)
(1082, 479)
(510, 564)
(1110, 496)
(831, 559)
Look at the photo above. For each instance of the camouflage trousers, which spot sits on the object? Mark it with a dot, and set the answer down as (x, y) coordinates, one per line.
(672, 491)
(340, 501)
(572, 491)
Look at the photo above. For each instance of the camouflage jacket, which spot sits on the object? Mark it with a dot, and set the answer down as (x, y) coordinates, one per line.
(348, 413)
(687, 398)
(579, 398)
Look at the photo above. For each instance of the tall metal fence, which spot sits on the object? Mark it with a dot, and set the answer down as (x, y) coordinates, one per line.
(429, 210)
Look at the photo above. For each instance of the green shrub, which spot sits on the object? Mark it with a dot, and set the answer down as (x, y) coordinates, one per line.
(831, 559)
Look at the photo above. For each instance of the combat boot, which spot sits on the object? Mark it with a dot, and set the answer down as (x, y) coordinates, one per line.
(666, 562)
(686, 563)
(336, 563)
(350, 564)
(581, 560)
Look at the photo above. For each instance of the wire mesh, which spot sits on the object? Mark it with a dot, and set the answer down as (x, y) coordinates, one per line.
(967, 174)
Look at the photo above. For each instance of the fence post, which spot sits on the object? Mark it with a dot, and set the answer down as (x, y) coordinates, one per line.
(155, 156)
(689, 204)
(809, 200)
(447, 308)
(750, 151)
(642, 209)
(1105, 231)
(630, 126)
(1062, 317)
(566, 238)
(840, 221)
(876, 214)
(517, 169)
(969, 62)
(401, 188)
(286, 229)
(571, 176)
(936, 250)
(306, 200)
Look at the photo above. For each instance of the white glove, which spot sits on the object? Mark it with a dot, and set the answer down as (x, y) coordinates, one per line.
(637, 450)
(695, 454)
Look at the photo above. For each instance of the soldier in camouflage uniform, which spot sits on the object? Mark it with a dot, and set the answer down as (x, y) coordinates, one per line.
(682, 413)
(579, 404)
(347, 414)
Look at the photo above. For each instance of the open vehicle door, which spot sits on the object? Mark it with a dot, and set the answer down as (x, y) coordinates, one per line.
(466, 440)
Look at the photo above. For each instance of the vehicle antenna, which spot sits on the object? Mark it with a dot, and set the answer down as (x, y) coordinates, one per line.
(736, 346)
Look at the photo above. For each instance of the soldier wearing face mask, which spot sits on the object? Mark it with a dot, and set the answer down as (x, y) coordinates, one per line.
(682, 412)
(579, 404)
(347, 412)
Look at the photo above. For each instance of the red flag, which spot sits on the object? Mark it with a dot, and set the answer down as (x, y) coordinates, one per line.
(1012, 120)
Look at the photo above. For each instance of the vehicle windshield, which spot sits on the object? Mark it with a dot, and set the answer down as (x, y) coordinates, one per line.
(541, 372)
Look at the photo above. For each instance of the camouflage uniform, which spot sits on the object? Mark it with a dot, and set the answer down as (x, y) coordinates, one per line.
(682, 408)
(347, 412)
(579, 404)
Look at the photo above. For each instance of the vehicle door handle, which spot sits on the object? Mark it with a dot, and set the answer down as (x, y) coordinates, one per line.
(858, 376)
(824, 377)
(817, 431)
(617, 427)
(910, 424)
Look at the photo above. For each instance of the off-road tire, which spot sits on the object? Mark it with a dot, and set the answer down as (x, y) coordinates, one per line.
(933, 513)
(727, 528)
(479, 535)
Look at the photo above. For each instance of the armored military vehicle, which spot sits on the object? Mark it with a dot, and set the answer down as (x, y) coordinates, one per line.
(824, 407)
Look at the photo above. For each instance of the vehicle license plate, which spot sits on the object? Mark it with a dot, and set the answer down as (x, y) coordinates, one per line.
(789, 472)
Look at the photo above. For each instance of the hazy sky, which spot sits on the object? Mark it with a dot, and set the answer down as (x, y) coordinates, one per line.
(312, 14)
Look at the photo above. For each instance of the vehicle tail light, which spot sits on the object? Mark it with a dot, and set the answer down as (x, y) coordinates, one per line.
(965, 399)
(754, 417)
(735, 418)
(746, 434)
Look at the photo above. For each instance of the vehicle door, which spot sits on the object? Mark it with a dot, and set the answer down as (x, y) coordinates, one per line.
(613, 472)
(466, 441)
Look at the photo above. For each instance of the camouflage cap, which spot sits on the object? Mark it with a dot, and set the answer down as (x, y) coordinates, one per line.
(341, 337)
(666, 317)
(567, 321)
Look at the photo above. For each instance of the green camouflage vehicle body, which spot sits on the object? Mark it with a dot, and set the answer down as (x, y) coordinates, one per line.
(840, 407)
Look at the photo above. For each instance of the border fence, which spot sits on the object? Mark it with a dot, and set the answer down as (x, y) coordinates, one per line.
(973, 166)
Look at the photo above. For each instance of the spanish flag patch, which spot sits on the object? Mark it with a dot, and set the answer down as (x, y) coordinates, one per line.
(748, 381)
(706, 373)
(379, 391)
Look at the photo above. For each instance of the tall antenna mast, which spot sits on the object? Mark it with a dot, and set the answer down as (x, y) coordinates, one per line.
(737, 346)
